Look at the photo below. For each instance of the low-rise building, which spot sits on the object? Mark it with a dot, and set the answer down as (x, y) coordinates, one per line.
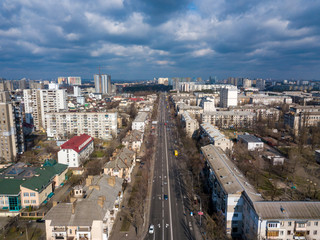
(22, 185)
(121, 164)
(75, 151)
(246, 214)
(91, 217)
(139, 123)
(300, 117)
(251, 142)
(229, 119)
(212, 135)
(189, 124)
(133, 140)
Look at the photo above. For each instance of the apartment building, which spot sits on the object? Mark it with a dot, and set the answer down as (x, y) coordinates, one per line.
(246, 214)
(228, 97)
(299, 117)
(189, 124)
(74, 80)
(76, 150)
(267, 99)
(96, 124)
(11, 132)
(227, 184)
(102, 83)
(211, 135)
(261, 112)
(39, 102)
(208, 104)
(91, 217)
(227, 119)
(139, 123)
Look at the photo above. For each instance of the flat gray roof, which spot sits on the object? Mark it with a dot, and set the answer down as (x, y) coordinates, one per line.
(229, 176)
(274, 210)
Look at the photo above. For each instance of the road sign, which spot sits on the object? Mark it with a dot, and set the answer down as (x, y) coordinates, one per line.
(200, 213)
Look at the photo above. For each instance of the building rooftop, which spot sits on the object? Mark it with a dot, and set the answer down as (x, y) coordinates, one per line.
(274, 210)
(77, 143)
(86, 210)
(249, 138)
(141, 117)
(229, 176)
(212, 131)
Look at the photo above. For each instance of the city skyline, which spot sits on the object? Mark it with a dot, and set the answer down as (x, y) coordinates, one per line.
(145, 39)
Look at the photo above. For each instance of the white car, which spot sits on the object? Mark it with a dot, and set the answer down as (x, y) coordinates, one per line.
(151, 229)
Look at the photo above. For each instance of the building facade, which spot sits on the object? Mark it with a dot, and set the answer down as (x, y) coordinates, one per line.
(96, 124)
(229, 119)
(102, 83)
(228, 97)
(76, 150)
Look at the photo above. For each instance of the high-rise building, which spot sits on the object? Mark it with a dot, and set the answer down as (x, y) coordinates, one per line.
(74, 80)
(62, 80)
(39, 102)
(102, 83)
(11, 134)
(228, 97)
(76, 91)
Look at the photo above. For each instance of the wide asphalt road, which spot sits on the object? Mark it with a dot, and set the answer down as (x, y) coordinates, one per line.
(169, 204)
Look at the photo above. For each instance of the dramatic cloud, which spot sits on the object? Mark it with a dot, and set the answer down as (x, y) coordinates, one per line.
(142, 39)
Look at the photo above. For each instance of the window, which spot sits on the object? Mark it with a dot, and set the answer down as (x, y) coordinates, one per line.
(32, 194)
(289, 224)
(281, 233)
(26, 201)
(272, 225)
(308, 224)
(315, 232)
(33, 201)
(288, 232)
(235, 215)
(316, 223)
(26, 194)
(301, 225)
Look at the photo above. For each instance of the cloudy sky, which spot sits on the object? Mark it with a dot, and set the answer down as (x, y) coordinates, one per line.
(142, 39)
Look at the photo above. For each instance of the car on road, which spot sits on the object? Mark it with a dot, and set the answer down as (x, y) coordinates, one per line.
(165, 197)
(151, 229)
(40, 220)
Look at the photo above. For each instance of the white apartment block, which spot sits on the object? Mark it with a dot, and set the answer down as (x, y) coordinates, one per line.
(139, 123)
(190, 124)
(268, 100)
(39, 102)
(76, 150)
(208, 104)
(227, 119)
(228, 97)
(247, 215)
(96, 124)
(215, 137)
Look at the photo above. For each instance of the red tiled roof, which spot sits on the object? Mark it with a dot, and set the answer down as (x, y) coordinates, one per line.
(75, 143)
(136, 99)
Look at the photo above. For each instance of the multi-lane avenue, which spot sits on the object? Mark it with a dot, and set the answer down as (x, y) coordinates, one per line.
(169, 211)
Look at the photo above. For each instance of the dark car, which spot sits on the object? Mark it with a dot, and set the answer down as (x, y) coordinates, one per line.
(40, 220)
(165, 197)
